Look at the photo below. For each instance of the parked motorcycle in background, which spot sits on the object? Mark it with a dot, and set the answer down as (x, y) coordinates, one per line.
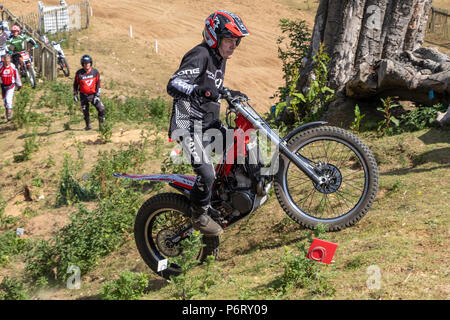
(62, 62)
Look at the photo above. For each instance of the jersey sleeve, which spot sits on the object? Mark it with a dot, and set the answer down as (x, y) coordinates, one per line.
(29, 39)
(182, 83)
(75, 84)
(17, 77)
(98, 85)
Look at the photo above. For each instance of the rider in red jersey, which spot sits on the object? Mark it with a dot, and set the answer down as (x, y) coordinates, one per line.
(10, 79)
(87, 84)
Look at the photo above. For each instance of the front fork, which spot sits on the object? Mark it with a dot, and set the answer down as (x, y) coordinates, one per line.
(304, 164)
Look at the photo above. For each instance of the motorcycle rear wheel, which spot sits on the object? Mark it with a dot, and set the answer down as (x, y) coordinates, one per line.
(152, 231)
(352, 179)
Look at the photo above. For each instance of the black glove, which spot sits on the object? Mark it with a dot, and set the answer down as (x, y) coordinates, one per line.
(235, 93)
(75, 97)
(19, 87)
(210, 93)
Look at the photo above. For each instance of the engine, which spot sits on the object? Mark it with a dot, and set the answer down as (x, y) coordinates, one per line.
(237, 198)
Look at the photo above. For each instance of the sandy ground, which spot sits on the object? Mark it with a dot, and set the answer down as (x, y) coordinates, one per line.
(177, 25)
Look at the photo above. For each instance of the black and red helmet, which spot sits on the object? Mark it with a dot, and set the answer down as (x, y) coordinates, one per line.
(223, 24)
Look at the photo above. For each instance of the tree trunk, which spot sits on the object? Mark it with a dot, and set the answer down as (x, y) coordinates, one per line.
(376, 50)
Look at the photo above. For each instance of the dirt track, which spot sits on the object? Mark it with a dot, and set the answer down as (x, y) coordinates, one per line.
(177, 25)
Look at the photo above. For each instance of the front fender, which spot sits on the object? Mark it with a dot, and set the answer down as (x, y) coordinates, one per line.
(290, 135)
(303, 128)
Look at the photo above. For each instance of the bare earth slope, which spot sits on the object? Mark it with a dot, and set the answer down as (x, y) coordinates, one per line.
(177, 25)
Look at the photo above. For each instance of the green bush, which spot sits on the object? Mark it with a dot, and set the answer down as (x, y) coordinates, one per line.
(309, 106)
(291, 50)
(140, 109)
(121, 161)
(31, 145)
(300, 272)
(105, 131)
(70, 191)
(10, 245)
(12, 289)
(23, 115)
(91, 235)
(129, 286)
(419, 118)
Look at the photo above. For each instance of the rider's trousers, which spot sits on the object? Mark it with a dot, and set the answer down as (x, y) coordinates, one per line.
(85, 100)
(195, 145)
(7, 95)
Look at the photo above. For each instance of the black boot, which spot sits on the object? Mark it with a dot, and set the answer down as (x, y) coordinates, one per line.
(101, 120)
(204, 223)
(8, 114)
(88, 125)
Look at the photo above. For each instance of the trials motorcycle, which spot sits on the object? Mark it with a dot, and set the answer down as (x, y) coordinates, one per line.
(25, 66)
(323, 174)
(62, 61)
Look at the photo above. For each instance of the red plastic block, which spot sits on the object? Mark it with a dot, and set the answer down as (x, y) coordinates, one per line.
(322, 251)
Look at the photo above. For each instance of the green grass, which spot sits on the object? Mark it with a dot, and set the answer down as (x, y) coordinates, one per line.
(405, 233)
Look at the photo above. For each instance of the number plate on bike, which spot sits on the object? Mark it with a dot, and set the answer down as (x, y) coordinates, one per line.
(25, 56)
(162, 265)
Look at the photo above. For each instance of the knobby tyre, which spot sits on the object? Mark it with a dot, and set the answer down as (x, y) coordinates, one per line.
(159, 218)
(64, 66)
(31, 76)
(352, 179)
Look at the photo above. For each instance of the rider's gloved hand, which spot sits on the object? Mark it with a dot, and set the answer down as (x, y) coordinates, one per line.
(235, 93)
(19, 87)
(210, 93)
(36, 46)
(75, 97)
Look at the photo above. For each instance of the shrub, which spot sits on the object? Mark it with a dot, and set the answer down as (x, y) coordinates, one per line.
(70, 191)
(419, 118)
(300, 272)
(31, 145)
(309, 106)
(105, 131)
(386, 124)
(10, 245)
(291, 50)
(357, 120)
(91, 235)
(129, 286)
(12, 289)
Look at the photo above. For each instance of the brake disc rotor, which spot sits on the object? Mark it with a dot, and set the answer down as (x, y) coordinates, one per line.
(331, 177)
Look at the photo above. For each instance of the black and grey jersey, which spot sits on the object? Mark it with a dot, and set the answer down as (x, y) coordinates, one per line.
(199, 67)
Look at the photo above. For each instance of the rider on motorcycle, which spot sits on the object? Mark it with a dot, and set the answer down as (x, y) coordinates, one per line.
(195, 88)
(17, 43)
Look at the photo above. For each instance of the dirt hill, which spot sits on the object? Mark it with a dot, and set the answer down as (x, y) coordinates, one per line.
(177, 25)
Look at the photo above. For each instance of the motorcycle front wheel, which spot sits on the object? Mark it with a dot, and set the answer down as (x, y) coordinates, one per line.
(160, 223)
(351, 179)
